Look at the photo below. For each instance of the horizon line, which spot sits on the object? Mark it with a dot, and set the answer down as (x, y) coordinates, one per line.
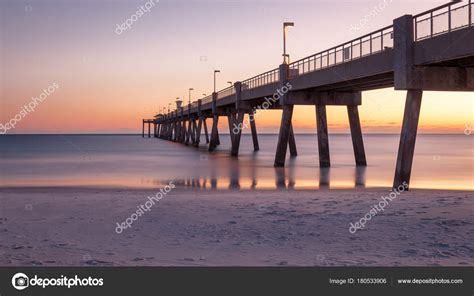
(266, 133)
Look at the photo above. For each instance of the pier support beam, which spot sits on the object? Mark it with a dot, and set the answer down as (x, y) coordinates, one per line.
(283, 136)
(406, 148)
(356, 133)
(182, 127)
(231, 121)
(143, 129)
(218, 139)
(149, 132)
(170, 131)
(182, 132)
(205, 130)
(198, 132)
(323, 138)
(175, 129)
(178, 129)
(188, 133)
(253, 128)
(193, 131)
(215, 124)
(285, 125)
(200, 118)
(214, 133)
(236, 130)
(292, 142)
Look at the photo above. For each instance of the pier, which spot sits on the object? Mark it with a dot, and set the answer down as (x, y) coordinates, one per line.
(431, 51)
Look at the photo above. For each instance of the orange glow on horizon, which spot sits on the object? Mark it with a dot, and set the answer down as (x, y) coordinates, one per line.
(109, 83)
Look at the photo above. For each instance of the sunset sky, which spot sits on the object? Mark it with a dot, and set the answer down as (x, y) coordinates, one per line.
(109, 82)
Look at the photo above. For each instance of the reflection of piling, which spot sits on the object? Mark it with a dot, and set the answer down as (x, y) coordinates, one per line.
(253, 128)
(280, 181)
(324, 178)
(360, 176)
(253, 172)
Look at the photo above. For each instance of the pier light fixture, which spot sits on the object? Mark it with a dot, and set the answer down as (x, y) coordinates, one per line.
(230, 83)
(286, 56)
(190, 89)
(215, 72)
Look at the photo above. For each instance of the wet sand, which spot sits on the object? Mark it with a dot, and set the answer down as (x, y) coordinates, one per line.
(189, 227)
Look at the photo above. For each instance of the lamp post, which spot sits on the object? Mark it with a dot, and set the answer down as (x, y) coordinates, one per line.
(215, 72)
(286, 56)
(190, 89)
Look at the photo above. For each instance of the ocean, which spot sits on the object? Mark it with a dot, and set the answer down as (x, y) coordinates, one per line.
(441, 162)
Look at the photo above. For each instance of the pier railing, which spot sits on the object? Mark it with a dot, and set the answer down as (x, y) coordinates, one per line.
(443, 19)
(269, 77)
(369, 44)
(226, 92)
(206, 100)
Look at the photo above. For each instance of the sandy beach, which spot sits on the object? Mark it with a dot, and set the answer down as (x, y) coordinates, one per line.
(191, 227)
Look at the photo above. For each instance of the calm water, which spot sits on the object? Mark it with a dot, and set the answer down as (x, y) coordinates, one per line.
(441, 161)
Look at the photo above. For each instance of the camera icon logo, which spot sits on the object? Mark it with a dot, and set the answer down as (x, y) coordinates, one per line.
(20, 281)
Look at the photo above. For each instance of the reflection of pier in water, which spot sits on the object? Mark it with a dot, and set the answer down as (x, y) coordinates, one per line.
(284, 179)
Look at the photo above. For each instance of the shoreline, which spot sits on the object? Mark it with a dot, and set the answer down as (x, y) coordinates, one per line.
(198, 189)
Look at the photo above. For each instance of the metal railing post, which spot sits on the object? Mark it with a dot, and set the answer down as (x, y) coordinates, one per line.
(370, 45)
(449, 19)
(470, 13)
(416, 28)
(381, 42)
(431, 24)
